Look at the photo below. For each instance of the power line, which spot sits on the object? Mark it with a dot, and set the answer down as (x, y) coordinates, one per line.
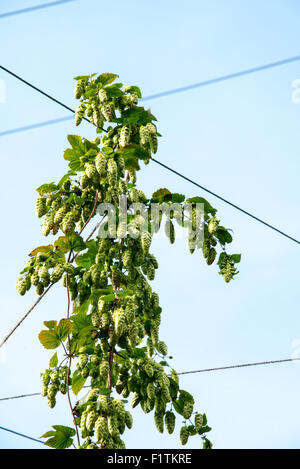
(243, 365)
(35, 126)
(36, 7)
(168, 92)
(204, 370)
(224, 78)
(226, 201)
(35, 88)
(163, 165)
(22, 435)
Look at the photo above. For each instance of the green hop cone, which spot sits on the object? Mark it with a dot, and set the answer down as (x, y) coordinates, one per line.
(213, 225)
(21, 286)
(170, 421)
(101, 163)
(184, 435)
(159, 421)
(57, 273)
(198, 421)
(128, 419)
(79, 113)
(40, 207)
(162, 348)
(124, 136)
(146, 239)
(103, 369)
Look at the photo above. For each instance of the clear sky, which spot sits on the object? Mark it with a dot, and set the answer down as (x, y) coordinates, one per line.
(239, 138)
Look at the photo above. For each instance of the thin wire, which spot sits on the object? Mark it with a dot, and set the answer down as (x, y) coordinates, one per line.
(37, 7)
(35, 126)
(226, 201)
(174, 91)
(243, 365)
(39, 90)
(224, 78)
(204, 370)
(165, 166)
(22, 435)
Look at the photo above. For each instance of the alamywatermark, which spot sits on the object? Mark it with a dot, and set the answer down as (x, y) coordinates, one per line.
(2, 92)
(296, 93)
(123, 219)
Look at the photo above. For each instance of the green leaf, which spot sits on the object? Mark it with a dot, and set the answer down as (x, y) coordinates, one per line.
(87, 259)
(205, 429)
(178, 198)
(64, 328)
(160, 194)
(65, 178)
(137, 90)
(223, 235)
(49, 339)
(137, 115)
(200, 200)
(123, 293)
(73, 241)
(76, 142)
(50, 324)
(53, 361)
(236, 258)
(60, 438)
(70, 154)
(43, 249)
(106, 78)
(47, 188)
(77, 382)
(114, 91)
(108, 298)
(81, 309)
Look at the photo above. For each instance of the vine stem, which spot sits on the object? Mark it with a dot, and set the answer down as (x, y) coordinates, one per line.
(27, 314)
(70, 362)
(51, 284)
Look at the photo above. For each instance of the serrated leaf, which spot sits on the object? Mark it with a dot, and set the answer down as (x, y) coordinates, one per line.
(43, 249)
(73, 241)
(77, 382)
(200, 200)
(50, 324)
(108, 298)
(223, 235)
(123, 293)
(236, 258)
(160, 194)
(137, 115)
(76, 142)
(53, 361)
(64, 328)
(178, 198)
(49, 339)
(60, 438)
(65, 178)
(47, 188)
(106, 78)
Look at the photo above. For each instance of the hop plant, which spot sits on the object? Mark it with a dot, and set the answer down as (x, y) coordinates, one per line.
(184, 435)
(40, 207)
(170, 421)
(113, 334)
(21, 286)
(57, 273)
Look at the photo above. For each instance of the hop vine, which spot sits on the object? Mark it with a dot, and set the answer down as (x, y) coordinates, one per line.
(109, 339)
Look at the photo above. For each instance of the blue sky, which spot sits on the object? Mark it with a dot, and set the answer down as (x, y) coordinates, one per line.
(238, 138)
